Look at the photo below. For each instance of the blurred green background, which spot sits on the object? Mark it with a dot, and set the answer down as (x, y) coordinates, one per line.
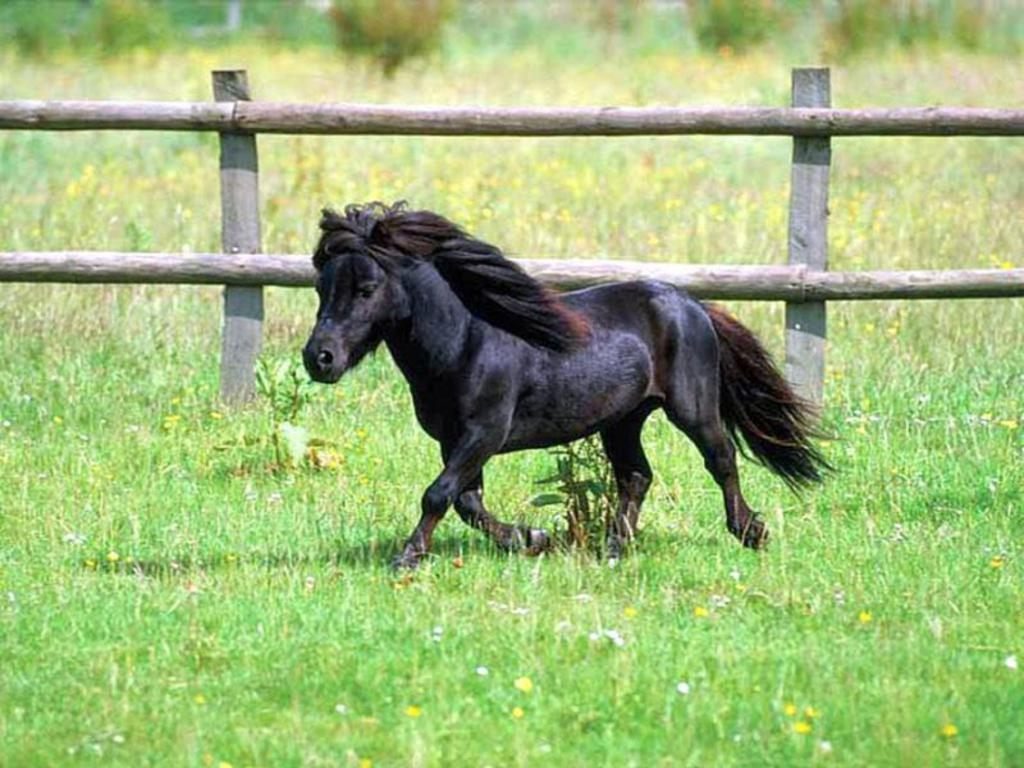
(392, 32)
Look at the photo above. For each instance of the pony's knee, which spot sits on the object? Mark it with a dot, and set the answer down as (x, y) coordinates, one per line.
(436, 499)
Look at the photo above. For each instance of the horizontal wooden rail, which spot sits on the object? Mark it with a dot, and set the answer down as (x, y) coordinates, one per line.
(772, 283)
(271, 117)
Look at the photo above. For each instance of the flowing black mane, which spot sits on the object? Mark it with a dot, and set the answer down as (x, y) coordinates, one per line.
(490, 286)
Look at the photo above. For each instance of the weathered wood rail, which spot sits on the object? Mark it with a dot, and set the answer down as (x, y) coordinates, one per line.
(370, 119)
(805, 284)
(797, 283)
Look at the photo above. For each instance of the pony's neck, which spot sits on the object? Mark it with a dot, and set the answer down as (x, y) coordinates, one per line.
(428, 344)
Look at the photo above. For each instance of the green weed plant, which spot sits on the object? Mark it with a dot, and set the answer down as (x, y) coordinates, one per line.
(583, 486)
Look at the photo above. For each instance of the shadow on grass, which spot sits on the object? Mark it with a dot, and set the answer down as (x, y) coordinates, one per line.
(368, 555)
(377, 554)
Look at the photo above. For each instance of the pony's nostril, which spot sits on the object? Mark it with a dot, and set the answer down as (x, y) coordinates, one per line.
(324, 358)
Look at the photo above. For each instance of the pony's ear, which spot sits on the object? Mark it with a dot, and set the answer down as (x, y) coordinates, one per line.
(330, 220)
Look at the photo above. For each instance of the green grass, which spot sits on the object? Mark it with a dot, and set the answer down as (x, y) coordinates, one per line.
(166, 599)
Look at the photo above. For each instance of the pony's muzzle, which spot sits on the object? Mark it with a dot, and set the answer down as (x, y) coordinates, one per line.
(322, 363)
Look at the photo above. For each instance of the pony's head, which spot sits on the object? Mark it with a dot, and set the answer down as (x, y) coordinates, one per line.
(359, 297)
(359, 261)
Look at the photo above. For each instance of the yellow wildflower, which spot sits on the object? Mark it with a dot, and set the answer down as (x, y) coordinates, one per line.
(523, 684)
(413, 711)
(949, 730)
(629, 612)
(517, 713)
(700, 611)
(864, 617)
(997, 562)
(789, 709)
(802, 727)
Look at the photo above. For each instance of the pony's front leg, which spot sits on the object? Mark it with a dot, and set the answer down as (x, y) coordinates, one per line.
(464, 463)
(511, 538)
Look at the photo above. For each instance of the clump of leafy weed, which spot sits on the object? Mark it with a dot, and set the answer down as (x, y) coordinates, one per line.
(584, 485)
(287, 390)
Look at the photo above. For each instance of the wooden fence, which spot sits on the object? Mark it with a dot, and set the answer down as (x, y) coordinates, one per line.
(805, 284)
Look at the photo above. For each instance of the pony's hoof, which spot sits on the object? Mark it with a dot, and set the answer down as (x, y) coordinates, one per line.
(754, 535)
(407, 561)
(615, 548)
(537, 541)
(525, 540)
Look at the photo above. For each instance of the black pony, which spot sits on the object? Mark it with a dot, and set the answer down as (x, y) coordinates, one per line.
(498, 363)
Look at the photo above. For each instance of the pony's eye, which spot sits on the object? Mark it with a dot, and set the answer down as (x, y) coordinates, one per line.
(365, 290)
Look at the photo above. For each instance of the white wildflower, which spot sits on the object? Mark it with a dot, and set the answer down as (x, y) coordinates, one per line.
(612, 635)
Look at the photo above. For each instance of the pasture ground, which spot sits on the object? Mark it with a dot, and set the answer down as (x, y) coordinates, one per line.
(167, 599)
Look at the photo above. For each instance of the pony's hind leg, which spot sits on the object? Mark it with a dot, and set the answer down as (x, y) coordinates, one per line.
(632, 477)
(692, 405)
(706, 430)
(470, 507)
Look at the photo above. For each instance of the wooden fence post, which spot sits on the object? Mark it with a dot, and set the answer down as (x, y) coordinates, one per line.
(240, 233)
(808, 238)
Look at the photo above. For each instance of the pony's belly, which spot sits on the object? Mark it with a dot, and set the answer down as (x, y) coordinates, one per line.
(580, 396)
(550, 434)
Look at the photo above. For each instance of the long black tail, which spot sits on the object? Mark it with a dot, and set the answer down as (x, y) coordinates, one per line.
(757, 403)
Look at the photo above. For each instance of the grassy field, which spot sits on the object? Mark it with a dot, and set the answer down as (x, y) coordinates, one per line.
(166, 598)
